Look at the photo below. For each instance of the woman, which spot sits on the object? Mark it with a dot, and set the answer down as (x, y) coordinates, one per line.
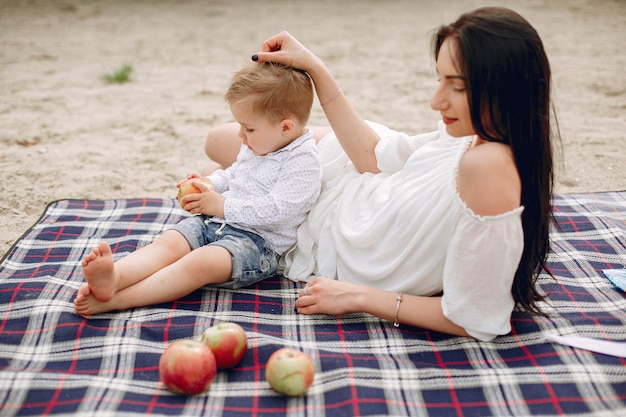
(445, 231)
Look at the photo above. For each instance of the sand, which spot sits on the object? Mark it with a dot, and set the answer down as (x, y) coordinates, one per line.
(65, 133)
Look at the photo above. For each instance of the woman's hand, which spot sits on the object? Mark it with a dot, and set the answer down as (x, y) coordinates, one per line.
(329, 296)
(357, 138)
(284, 49)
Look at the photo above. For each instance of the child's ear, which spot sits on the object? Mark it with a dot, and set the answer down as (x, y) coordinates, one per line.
(289, 126)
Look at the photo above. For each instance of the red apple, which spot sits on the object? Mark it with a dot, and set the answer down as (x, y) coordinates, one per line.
(187, 367)
(229, 343)
(186, 187)
(290, 372)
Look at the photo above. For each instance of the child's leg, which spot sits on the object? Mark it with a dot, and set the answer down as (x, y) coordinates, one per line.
(104, 277)
(205, 265)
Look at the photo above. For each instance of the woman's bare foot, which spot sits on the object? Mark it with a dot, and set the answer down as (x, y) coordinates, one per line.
(85, 304)
(100, 273)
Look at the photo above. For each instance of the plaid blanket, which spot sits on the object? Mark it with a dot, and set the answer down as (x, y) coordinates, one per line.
(53, 362)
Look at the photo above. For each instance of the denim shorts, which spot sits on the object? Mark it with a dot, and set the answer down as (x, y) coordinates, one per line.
(253, 259)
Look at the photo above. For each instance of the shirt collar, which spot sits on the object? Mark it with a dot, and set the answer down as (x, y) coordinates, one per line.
(306, 136)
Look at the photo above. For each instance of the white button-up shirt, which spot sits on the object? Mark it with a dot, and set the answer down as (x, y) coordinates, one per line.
(272, 194)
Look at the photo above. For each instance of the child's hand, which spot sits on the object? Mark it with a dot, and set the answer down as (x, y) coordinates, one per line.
(189, 177)
(190, 186)
(207, 201)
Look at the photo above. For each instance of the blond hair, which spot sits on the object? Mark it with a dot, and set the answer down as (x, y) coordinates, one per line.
(277, 91)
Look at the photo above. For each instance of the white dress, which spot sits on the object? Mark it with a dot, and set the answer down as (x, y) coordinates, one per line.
(407, 230)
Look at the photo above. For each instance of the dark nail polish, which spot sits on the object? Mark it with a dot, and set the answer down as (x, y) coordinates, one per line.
(255, 58)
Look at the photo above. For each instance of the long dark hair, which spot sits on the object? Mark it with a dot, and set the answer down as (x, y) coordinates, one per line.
(508, 81)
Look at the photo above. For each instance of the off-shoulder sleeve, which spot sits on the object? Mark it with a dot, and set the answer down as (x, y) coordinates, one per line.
(481, 261)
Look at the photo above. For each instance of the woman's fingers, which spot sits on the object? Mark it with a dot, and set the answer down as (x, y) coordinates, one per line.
(271, 57)
(277, 42)
(284, 49)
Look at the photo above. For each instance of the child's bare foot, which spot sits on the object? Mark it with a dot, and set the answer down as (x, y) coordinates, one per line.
(100, 273)
(85, 304)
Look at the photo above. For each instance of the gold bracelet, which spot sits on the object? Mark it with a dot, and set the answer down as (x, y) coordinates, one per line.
(334, 99)
(398, 301)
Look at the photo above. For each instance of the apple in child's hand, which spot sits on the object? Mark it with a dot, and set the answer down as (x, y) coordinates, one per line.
(187, 367)
(186, 187)
(290, 372)
(228, 341)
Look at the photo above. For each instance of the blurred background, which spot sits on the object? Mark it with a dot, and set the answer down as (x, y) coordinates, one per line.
(113, 99)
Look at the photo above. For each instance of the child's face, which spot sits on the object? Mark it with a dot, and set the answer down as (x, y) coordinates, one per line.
(450, 99)
(257, 132)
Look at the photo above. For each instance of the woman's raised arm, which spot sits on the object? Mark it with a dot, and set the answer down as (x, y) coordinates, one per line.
(356, 137)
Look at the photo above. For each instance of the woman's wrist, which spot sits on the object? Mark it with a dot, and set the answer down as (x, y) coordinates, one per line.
(326, 86)
(317, 68)
(333, 99)
(396, 322)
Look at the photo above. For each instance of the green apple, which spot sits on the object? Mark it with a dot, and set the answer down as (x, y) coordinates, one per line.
(290, 372)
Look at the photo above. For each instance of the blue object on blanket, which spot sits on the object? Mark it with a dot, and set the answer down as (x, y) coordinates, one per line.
(617, 277)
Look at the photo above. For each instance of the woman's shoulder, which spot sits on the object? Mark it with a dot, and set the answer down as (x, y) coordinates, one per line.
(488, 181)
